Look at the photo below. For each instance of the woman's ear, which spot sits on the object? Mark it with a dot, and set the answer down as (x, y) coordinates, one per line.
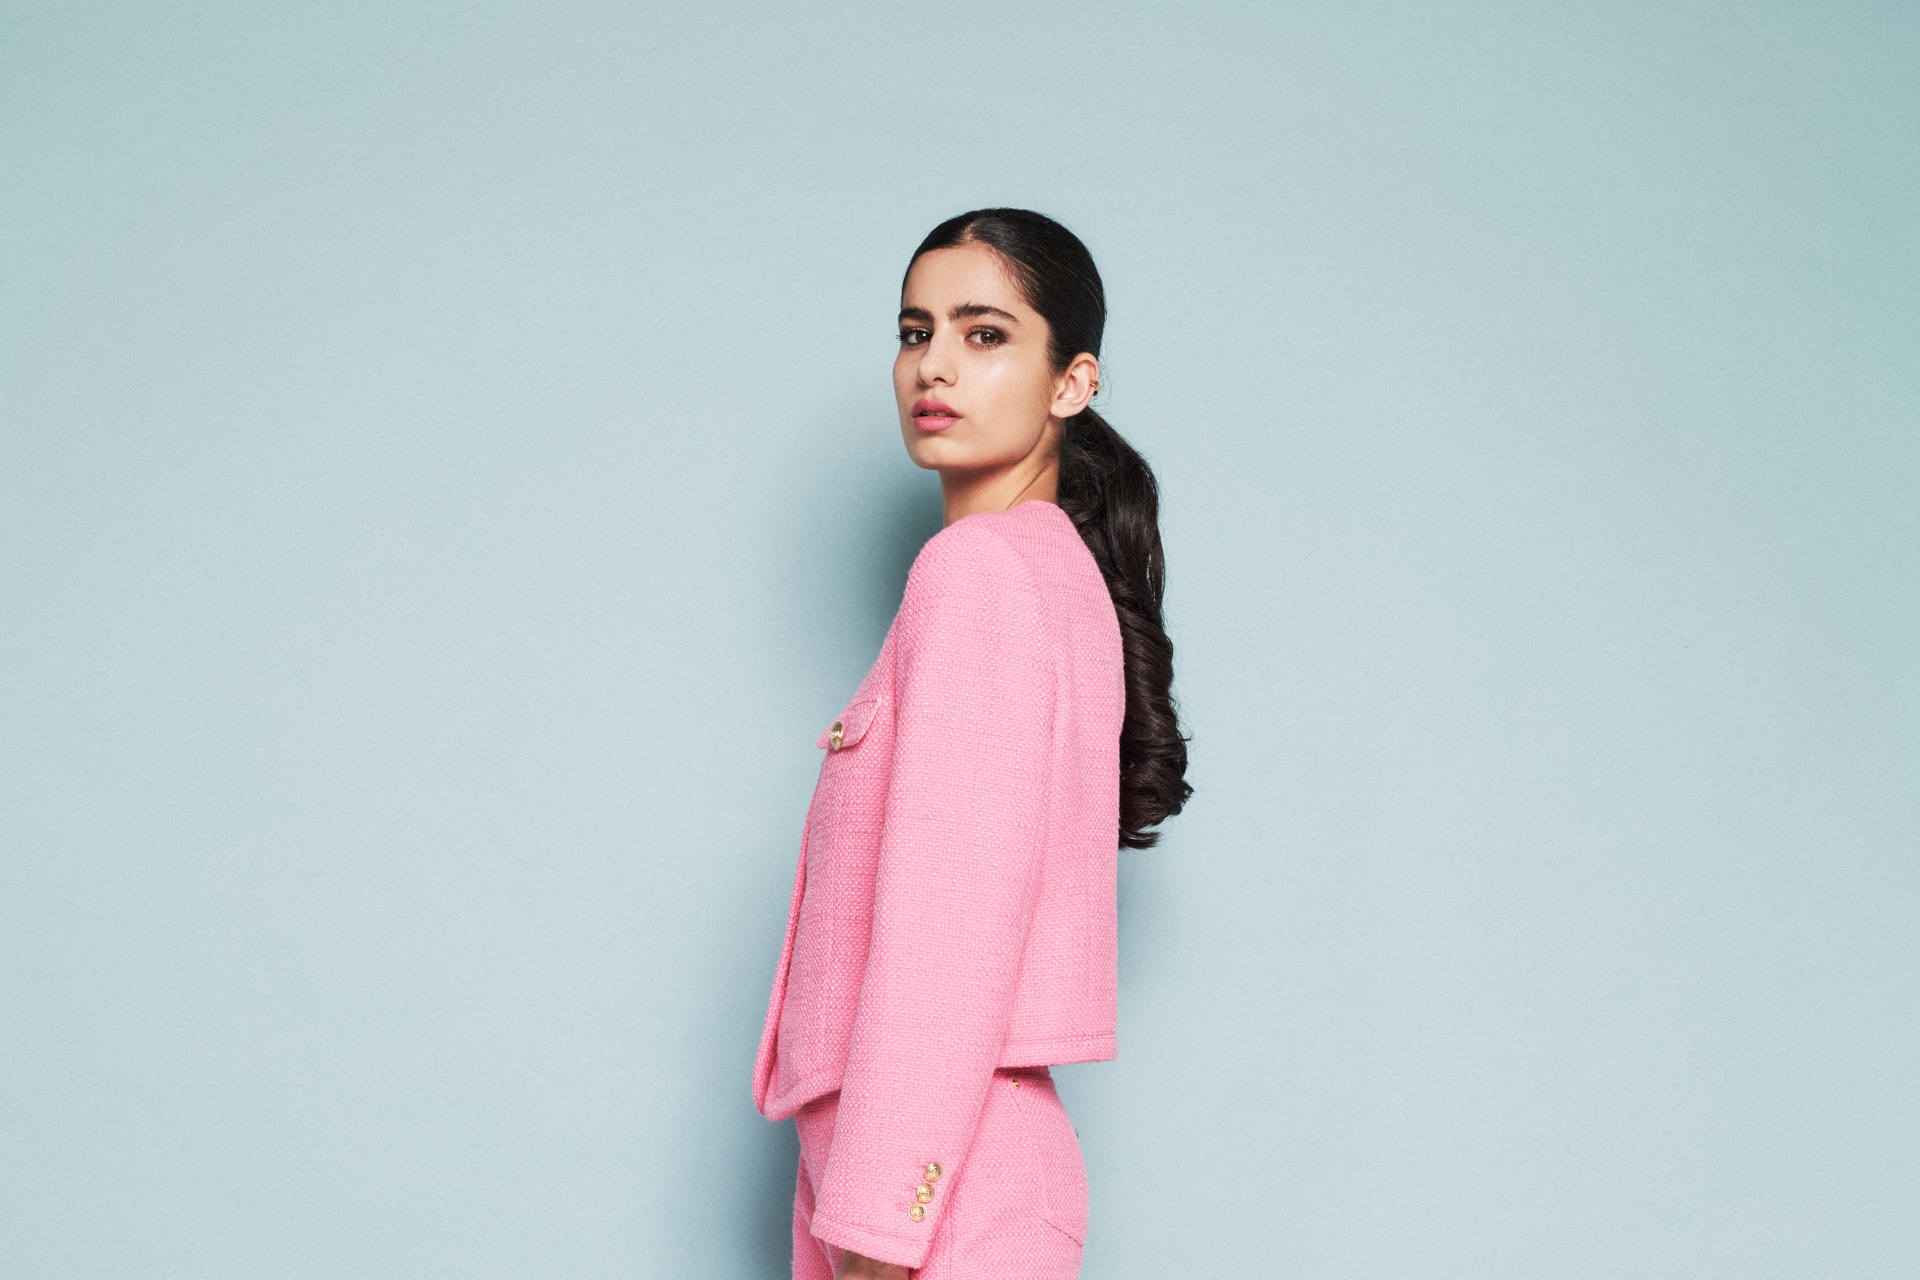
(1075, 385)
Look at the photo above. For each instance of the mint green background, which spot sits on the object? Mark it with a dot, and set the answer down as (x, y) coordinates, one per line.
(448, 478)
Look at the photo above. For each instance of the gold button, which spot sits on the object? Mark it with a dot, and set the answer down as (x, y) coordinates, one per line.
(836, 735)
(918, 1212)
(924, 1194)
(933, 1173)
(1016, 1084)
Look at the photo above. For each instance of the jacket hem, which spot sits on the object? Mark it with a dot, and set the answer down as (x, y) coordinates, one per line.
(816, 1086)
(1023, 1053)
(1059, 1050)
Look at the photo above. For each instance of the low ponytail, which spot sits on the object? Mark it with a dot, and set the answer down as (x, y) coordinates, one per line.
(1109, 491)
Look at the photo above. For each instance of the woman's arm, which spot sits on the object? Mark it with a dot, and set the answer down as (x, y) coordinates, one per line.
(960, 854)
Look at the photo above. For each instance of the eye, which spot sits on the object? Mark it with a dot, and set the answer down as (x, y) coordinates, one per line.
(987, 337)
(913, 337)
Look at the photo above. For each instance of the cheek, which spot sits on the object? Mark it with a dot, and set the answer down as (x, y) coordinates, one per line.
(1010, 413)
(1020, 395)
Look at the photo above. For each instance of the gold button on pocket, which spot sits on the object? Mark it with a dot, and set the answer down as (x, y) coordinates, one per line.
(933, 1173)
(851, 725)
(924, 1193)
(918, 1213)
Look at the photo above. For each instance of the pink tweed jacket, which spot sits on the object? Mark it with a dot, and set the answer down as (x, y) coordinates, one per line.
(954, 907)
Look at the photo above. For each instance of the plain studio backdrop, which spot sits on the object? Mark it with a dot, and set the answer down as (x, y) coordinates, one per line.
(449, 476)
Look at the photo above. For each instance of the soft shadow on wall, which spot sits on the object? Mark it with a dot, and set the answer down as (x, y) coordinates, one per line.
(852, 513)
(864, 511)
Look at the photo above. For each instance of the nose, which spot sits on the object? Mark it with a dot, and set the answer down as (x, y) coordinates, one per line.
(937, 365)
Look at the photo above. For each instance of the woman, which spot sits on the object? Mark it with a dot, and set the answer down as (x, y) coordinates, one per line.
(952, 931)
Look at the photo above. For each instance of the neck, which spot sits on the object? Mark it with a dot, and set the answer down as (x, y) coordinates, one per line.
(1035, 476)
(966, 493)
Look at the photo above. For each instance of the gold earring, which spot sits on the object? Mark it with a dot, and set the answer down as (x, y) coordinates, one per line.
(1096, 387)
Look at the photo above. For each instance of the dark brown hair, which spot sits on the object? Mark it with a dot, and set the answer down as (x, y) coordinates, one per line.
(1109, 491)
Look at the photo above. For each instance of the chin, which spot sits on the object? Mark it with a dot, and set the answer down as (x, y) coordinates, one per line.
(934, 449)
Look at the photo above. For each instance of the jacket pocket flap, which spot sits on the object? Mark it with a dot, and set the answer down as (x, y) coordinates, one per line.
(851, 726)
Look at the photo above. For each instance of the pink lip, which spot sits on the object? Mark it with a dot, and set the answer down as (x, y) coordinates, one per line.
(934, 415)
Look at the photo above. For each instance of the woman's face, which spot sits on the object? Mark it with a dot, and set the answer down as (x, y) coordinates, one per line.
(975, 388)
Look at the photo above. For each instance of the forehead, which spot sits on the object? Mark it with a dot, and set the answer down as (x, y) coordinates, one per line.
(964, 273)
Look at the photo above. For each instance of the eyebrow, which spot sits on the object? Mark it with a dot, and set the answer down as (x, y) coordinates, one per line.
(965, 311)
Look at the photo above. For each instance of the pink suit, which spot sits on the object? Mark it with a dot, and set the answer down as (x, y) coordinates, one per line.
(953, 912)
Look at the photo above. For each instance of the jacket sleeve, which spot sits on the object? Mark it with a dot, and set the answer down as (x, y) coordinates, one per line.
(958, 874)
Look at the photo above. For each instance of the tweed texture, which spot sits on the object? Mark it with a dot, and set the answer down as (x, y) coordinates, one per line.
(1019, 1212)
(953, 911)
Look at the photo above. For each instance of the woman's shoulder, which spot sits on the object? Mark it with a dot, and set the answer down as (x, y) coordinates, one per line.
(1028, 562)
(971, 556)
(992, 562)
(997, 543)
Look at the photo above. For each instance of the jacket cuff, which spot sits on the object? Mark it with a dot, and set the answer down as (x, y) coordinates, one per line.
(870, 1244)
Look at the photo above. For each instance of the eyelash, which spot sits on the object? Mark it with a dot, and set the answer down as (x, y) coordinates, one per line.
(918, 337)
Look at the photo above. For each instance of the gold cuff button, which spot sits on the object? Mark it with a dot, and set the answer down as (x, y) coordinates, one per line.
(835, 735)
(933, 1173)
(924, 1193)
(918, 1213)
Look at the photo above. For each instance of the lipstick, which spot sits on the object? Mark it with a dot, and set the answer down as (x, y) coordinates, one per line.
(934, 415)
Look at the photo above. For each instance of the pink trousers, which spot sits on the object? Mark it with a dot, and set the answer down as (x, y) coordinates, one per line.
(1019, 1203)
